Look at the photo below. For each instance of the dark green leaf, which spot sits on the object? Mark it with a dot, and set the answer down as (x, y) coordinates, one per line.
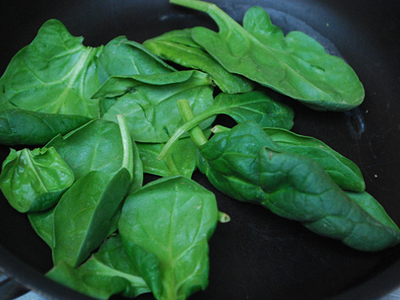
(343, 171)
(42, 223)
(247, 165)
(23, 127)
(298, 189)
(373, 207)
(84, 215)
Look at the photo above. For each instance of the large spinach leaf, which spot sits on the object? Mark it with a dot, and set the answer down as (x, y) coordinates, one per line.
(107, 272)
(84, 215)
(56, 73)
(178, 46)
(246, 164)
(295, 65)
(34, 180)
(149, 101)
(165, 227)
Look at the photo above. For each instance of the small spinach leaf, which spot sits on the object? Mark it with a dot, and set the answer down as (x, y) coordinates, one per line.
(165, 227)
(34, 180)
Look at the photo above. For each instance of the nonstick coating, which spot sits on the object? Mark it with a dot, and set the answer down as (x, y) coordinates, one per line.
(257, 255)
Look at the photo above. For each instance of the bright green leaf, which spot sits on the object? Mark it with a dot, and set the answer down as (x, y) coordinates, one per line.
(34, 180)
(295, 65)
(56, 73)
(165, 227)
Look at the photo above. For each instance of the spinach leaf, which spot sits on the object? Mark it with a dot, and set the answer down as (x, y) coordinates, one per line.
(343, 171)
(178, 46)
(34, 180)
(100, 145)
(124, 57)
(24, 127)
(107, 272)
(165, 227)
(84, 215)
(42, 223)
(246, 164)
(295, 65)
(149, 101)
(54, 74)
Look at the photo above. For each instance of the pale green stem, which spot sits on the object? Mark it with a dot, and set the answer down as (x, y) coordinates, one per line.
(196, 133)
(169, 161)
(191, 122)
(223, 217)
(126, 144)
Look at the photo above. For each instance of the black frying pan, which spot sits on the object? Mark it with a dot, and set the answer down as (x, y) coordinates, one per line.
(257, 255)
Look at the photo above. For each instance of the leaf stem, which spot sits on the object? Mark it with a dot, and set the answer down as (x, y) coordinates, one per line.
(191, 122)
(126, 144)
(223, 217)
(194, 4)
(196, 133)
(169, 161)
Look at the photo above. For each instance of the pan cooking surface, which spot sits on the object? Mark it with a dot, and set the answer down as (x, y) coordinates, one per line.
(257, 255)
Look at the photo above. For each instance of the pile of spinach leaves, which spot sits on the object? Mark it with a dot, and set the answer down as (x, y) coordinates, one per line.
(90, 122)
